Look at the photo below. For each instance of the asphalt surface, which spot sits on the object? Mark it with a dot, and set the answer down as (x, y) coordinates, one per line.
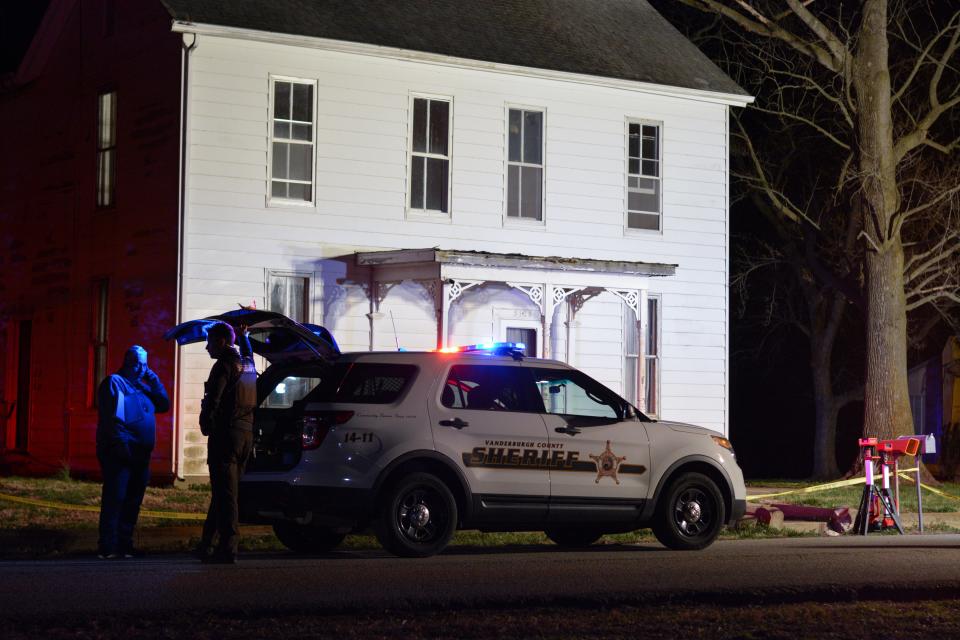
(739, 571)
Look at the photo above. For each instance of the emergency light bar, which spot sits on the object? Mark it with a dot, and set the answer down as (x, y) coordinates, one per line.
(501, 347)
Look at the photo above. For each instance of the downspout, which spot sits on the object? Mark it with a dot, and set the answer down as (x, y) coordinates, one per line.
(185, 52)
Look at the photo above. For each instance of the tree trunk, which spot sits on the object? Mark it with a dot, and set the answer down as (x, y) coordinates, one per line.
(887, 411)
(886, 399)
(825, 435)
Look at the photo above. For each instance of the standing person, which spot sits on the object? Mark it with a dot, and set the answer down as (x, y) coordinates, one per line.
(126, 434)
(226, 418)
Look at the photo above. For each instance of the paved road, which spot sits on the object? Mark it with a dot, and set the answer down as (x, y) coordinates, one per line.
(738, 571)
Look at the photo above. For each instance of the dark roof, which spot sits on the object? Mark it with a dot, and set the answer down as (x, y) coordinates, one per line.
(624, 39)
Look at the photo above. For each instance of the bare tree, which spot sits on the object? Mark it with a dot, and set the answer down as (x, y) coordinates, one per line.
(885, 129)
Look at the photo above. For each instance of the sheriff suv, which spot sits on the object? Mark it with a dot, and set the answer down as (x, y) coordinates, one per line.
(420, 444)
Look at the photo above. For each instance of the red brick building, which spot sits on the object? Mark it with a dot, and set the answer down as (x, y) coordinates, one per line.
(88, 269)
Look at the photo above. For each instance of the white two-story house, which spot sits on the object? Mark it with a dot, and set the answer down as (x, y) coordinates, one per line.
(407, 173)
(422, 174)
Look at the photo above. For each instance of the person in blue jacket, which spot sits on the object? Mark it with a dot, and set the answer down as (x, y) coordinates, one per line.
(126, 434)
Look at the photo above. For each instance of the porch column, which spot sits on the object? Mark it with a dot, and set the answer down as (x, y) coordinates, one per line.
(452, 289)
(556, 294)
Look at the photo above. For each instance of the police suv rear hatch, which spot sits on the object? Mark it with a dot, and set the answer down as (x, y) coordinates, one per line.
(272, 335)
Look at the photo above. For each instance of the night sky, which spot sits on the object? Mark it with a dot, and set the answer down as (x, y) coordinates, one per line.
(18, 21)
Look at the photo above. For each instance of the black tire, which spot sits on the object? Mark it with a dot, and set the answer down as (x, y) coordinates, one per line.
(305, 538)
(416, 516)
(690, 513)
(573, 537)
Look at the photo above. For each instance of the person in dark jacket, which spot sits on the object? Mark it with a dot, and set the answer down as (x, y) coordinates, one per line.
(226, 418)
(126, 434)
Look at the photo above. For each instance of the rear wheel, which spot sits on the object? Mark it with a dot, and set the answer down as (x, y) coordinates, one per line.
(573, 537)
(690, 513)
(417, 516)
(304, 538)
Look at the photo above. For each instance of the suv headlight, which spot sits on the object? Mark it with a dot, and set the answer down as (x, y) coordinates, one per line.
(723, 442)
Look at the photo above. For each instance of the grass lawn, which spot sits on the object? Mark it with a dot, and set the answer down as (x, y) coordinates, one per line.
(45, 531)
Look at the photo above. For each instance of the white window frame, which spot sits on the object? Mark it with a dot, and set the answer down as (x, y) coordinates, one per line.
(626, 175)
(286, 202)
(646, 352)
(431, 215)
(507, 219)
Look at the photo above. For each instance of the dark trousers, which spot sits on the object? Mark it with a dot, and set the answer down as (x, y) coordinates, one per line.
(227, 455)
(126, 472)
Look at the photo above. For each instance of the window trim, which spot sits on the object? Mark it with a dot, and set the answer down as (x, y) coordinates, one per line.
(628, 230)
(509, 221)
(271, 201)
(428, 215)
(646, 352)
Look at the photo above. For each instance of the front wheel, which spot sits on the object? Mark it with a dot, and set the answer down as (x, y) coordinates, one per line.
(303, 538)
(690, 513)
(417, 516)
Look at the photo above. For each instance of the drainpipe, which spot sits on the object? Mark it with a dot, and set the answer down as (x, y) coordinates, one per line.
(185, 52)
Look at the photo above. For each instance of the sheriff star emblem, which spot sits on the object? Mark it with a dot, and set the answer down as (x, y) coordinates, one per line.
(607, 463)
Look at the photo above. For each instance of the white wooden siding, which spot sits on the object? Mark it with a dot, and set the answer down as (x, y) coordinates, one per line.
(362, 105)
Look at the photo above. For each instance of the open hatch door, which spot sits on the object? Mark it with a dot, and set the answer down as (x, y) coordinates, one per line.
(272, 335)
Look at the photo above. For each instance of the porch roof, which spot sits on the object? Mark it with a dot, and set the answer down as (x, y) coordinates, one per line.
(422, 257)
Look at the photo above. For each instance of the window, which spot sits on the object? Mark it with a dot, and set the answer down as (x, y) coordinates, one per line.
(652, 358)
(291, 173)
(290, 390)
(106, 148)
(430, 156)
(365, 383)
(631, 356)
(289, 295)
(643, 176)
(490, 388)
(572, 393)
(101, 299)
(525, 165)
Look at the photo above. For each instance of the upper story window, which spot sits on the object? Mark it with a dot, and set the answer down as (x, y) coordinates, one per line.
(291, 171)
(525, 165)
(430, 156)
(106, 148)
(644, 192)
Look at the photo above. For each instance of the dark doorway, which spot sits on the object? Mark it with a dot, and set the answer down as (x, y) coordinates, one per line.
(527, 336)
(23, 384)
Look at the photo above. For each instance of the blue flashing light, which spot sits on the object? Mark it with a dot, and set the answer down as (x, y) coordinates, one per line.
(494, 346)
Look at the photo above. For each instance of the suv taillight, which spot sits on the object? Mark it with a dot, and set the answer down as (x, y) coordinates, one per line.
(317, 424)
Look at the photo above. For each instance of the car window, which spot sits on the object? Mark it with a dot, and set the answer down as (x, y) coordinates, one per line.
(490, 388)
(572, 393)
(365, 383)
(289, 390)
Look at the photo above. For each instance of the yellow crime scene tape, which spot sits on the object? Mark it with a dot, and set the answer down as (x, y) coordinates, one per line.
(171, 515)
(827, 486)
(928, 487)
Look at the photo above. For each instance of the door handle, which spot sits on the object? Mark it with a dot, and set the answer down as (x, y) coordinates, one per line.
(570, 431)
(456, 423)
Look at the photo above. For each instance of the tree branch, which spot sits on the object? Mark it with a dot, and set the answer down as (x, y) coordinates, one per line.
(768, 29)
